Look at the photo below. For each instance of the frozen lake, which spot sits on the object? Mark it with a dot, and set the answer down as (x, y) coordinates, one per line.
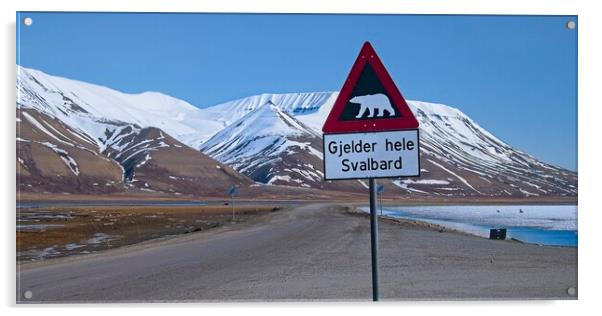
(538, 224)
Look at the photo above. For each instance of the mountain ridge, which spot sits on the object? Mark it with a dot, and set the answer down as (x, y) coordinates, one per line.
(276, 138)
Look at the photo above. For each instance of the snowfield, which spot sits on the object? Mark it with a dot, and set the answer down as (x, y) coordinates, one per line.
(542, 224)
(556, 217)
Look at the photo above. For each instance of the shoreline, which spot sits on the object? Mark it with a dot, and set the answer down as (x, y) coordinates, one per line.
(479, 230)
(440, 228)
(415, 223)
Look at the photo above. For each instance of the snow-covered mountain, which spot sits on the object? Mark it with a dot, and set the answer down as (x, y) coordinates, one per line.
(458, 157)
(74, 137)
(271, 146)
(276, 138)
(95, 109)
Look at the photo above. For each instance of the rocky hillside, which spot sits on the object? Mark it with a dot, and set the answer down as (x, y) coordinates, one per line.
(54, 158)
(72, 138)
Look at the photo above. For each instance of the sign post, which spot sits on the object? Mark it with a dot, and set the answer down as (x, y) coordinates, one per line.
(231, 193)
(380, 189)
(374, 239)
(370, 133)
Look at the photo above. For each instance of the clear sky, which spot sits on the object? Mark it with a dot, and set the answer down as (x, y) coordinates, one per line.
(514, 75)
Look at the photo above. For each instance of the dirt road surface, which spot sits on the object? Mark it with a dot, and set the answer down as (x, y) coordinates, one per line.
(309, 252)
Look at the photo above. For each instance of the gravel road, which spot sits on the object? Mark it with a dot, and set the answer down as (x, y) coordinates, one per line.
(308, 252)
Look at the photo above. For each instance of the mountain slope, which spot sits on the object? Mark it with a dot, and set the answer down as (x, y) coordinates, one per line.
(153, 161)
(274, 139)
(451, 143)
(458, 157)
(52, 157)
(94, 109)
(80, 138)
(270, 146)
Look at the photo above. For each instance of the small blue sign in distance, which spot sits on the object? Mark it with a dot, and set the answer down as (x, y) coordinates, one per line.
(232, 190)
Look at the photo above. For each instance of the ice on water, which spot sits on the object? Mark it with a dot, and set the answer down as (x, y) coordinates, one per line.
(478, 219)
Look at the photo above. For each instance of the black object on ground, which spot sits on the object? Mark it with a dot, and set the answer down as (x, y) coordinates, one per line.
(497, 233)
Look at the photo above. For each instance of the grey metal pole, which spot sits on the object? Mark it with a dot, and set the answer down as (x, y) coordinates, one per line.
(381, 204)
(233, 208)
(374, 239)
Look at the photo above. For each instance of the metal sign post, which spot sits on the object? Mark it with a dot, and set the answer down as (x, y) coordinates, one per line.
(370, 133)
(380, 189)
(374, 239)
(232, 192)
(381, 204)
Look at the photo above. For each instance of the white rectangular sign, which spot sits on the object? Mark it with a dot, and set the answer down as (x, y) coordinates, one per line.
(371, 155)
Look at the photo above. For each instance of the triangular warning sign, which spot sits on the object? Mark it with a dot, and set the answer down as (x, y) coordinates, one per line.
(369, 100)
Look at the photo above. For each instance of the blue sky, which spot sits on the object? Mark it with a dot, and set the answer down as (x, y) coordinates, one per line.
(514, 75)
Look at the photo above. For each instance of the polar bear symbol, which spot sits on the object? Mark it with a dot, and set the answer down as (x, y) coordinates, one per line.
(371, 103)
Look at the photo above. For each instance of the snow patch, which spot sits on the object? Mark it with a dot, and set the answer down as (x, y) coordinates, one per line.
(455, 175)
(279, 178)
(425, 181)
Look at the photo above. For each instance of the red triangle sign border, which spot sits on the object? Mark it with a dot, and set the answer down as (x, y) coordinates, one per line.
(406, 120)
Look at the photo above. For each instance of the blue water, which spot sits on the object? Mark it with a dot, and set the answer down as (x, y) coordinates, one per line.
(544, 236)
(553, 225)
